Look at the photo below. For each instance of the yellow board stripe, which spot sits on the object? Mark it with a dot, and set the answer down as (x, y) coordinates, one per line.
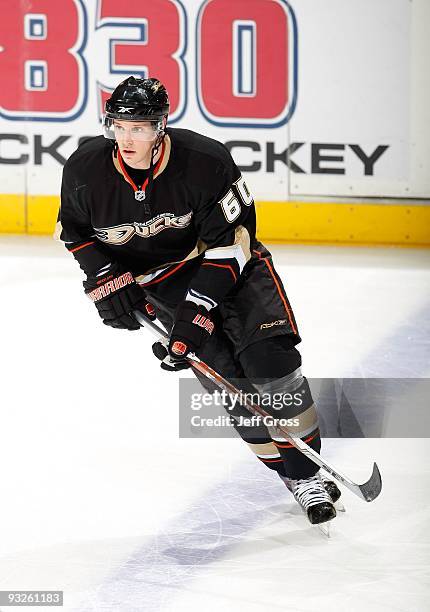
(13, 215)
(312, 222)
(42, 214)
(358, 223)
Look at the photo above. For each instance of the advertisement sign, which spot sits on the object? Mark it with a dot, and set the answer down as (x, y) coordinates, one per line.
(313, 99)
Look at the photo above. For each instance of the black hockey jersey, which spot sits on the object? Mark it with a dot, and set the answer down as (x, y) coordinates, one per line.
(199, 206)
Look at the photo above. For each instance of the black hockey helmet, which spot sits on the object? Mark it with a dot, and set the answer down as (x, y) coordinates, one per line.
(137, 100)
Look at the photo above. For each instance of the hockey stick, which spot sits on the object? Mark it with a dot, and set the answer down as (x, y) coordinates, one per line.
(367, 491)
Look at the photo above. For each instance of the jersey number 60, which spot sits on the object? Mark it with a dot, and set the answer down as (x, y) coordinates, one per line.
(230, 203)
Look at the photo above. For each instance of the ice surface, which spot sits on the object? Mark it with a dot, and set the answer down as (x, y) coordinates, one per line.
(102, 500)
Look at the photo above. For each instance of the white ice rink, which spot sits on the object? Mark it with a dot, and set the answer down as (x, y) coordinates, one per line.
(101, 499)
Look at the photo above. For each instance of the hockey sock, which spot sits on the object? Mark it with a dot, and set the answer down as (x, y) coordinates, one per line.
(291, 401)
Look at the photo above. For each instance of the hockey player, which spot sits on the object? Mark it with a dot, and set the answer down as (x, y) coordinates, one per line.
(160, 220)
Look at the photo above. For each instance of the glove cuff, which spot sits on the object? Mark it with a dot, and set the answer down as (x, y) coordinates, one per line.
(192, 327)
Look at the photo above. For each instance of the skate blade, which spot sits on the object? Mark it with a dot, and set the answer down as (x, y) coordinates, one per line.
(324, 528)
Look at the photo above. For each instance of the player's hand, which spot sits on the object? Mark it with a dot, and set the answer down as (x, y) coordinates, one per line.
(192, 327)
(116, 294)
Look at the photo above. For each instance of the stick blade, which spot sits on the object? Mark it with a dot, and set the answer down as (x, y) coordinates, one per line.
(372, 488)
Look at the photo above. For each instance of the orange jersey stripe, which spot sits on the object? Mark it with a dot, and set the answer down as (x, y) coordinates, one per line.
(82, 246)
(206, 263)
(278, 287)
(281, 294)
(163, 276)
(130, 180)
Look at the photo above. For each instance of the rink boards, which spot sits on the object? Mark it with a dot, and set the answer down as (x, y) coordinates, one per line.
(332, 138)
(314, 222)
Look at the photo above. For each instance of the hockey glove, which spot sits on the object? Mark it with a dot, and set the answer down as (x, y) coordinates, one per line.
(191, 329)
(115, 295)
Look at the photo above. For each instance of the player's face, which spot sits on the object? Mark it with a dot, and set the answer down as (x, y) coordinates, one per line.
(135, 140)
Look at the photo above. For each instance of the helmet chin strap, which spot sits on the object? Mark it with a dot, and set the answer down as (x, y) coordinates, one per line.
(154, 152)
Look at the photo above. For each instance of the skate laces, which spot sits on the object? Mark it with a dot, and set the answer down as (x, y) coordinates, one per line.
(310, 491)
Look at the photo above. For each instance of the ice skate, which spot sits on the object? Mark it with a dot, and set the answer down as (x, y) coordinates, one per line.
(334, 492)
(313, 497)
(331, 488)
